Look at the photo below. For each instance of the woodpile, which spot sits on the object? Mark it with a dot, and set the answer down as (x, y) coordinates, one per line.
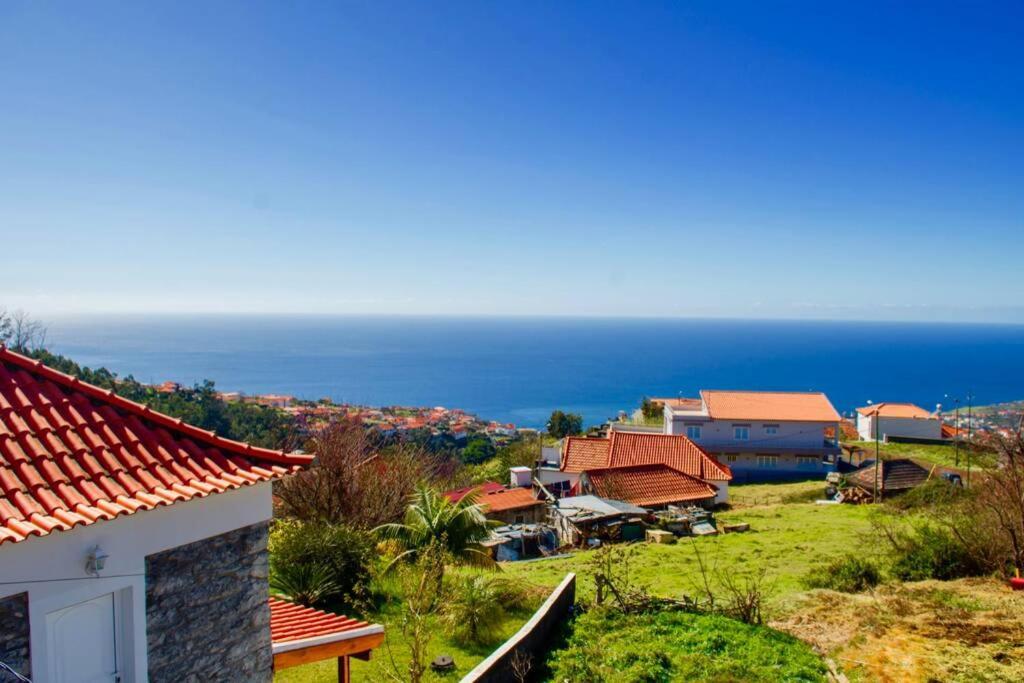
(857, 495)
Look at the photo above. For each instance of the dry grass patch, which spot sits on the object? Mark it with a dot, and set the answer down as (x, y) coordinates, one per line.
(965, 630)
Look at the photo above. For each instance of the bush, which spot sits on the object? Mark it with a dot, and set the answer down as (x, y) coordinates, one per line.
(473, 614)
(932, 553)
(849, 574)
(332, 558)
(936, 493)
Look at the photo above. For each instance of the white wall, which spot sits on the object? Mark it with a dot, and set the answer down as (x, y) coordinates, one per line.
(52, 568)
(917, 428)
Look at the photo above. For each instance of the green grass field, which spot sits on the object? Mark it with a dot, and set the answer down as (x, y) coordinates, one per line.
(944, 454)
(789, 540)
(394, 654)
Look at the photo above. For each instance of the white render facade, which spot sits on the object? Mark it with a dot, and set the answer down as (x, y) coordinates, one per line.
(870, 427)
(763, 449)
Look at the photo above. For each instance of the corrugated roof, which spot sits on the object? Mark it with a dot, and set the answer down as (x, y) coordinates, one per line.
(893, 475)
(73, 454)
(648, 485)
(774, 406)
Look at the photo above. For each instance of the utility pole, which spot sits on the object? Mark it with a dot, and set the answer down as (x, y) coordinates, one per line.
(877, 434)
(956, 429)
(970, 435)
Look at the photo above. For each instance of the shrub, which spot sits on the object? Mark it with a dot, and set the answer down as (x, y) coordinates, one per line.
(473, 614)
(849, 574)
(334, 557)
(936, 493)
(306, 584)
(932, 553)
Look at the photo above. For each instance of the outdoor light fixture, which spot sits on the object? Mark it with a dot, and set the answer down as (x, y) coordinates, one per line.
(95, 561)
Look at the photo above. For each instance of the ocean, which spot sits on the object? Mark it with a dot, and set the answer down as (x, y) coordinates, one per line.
(520, 369)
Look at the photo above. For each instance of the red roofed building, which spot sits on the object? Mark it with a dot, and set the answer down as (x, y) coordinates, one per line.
(901, 420)
(761, 435)
(133, 546)
(648, 486)
(623, 449)
(516, 505)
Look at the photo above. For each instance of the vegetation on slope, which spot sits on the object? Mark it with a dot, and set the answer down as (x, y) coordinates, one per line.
(606, 645)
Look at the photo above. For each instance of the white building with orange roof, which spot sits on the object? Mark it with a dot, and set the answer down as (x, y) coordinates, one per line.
(901, 420)
(760, 435)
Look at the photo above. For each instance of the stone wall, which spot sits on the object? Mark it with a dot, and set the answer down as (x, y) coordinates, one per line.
(14, 635)
(207, 617)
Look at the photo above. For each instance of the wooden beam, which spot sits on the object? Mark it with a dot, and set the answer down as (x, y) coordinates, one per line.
(344, 670)
(317, 653)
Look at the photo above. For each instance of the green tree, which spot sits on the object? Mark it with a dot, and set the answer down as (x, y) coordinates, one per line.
(459, 527)
(651, 410)
(478, 449)
(563, 424)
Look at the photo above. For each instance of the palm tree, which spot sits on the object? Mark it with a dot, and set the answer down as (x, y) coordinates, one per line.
(458, 527)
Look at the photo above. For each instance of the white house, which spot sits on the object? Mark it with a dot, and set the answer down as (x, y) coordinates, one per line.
(760, 435)
(133, 547)
(903, 420)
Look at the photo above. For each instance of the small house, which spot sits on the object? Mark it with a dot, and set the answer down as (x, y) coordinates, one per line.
(900, 420)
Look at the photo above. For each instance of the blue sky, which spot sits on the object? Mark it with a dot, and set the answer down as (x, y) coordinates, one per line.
(708, 159)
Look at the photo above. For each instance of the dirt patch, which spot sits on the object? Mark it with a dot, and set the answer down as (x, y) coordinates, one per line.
(966, 630)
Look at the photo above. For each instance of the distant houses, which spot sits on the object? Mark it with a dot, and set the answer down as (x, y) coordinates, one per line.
(900, 420)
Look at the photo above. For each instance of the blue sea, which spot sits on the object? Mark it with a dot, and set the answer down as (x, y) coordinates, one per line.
(520, 369)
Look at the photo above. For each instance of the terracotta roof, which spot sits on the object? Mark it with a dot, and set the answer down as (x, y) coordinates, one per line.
(907, 410)
(293, 626)
(73, 454)
(778, 406)
(648, 485)
(581, 453)
(623, 449)
(455, 495)
(510, 499)
(680, 403)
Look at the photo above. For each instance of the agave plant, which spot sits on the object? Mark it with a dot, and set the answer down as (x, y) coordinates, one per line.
(431, 518)
(306, 584)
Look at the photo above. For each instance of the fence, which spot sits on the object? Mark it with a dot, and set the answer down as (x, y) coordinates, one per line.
(525, 651)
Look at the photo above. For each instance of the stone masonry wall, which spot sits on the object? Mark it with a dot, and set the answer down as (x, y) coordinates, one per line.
(14, 636)
(207, 617)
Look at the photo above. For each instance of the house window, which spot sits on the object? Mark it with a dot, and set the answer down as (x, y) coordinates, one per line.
(741, 433)
(768, 461)
(693, 432)
(805, 462)
(771, 429)
(730, 458)
(520, 519)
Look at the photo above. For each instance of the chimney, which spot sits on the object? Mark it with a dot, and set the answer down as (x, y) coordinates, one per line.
(521, 477)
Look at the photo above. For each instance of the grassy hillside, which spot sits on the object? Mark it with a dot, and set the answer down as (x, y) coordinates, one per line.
(938, 454)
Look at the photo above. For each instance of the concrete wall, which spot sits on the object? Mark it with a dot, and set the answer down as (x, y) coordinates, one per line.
(788, 467)
(15, 650)
(51, 569)
(721, 432)
(533, 640)
(207, 617)
(530, 515)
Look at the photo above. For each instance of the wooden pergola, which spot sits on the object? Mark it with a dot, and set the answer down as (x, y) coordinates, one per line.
(303, 635)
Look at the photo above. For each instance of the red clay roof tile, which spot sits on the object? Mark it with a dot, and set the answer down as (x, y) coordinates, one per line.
(73, 454)
(623, 449)
(648, 485)
(291, 622)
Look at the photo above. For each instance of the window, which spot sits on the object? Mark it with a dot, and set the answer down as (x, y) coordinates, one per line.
(730, 458)
(806, 461)
(771, 429)
(768, 461)
(741, 433)
(693, 432)
(520, 519)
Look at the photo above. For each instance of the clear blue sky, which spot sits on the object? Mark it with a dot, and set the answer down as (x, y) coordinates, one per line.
(709, 159)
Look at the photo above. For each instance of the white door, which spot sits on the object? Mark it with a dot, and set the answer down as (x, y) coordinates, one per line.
(82, 642)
